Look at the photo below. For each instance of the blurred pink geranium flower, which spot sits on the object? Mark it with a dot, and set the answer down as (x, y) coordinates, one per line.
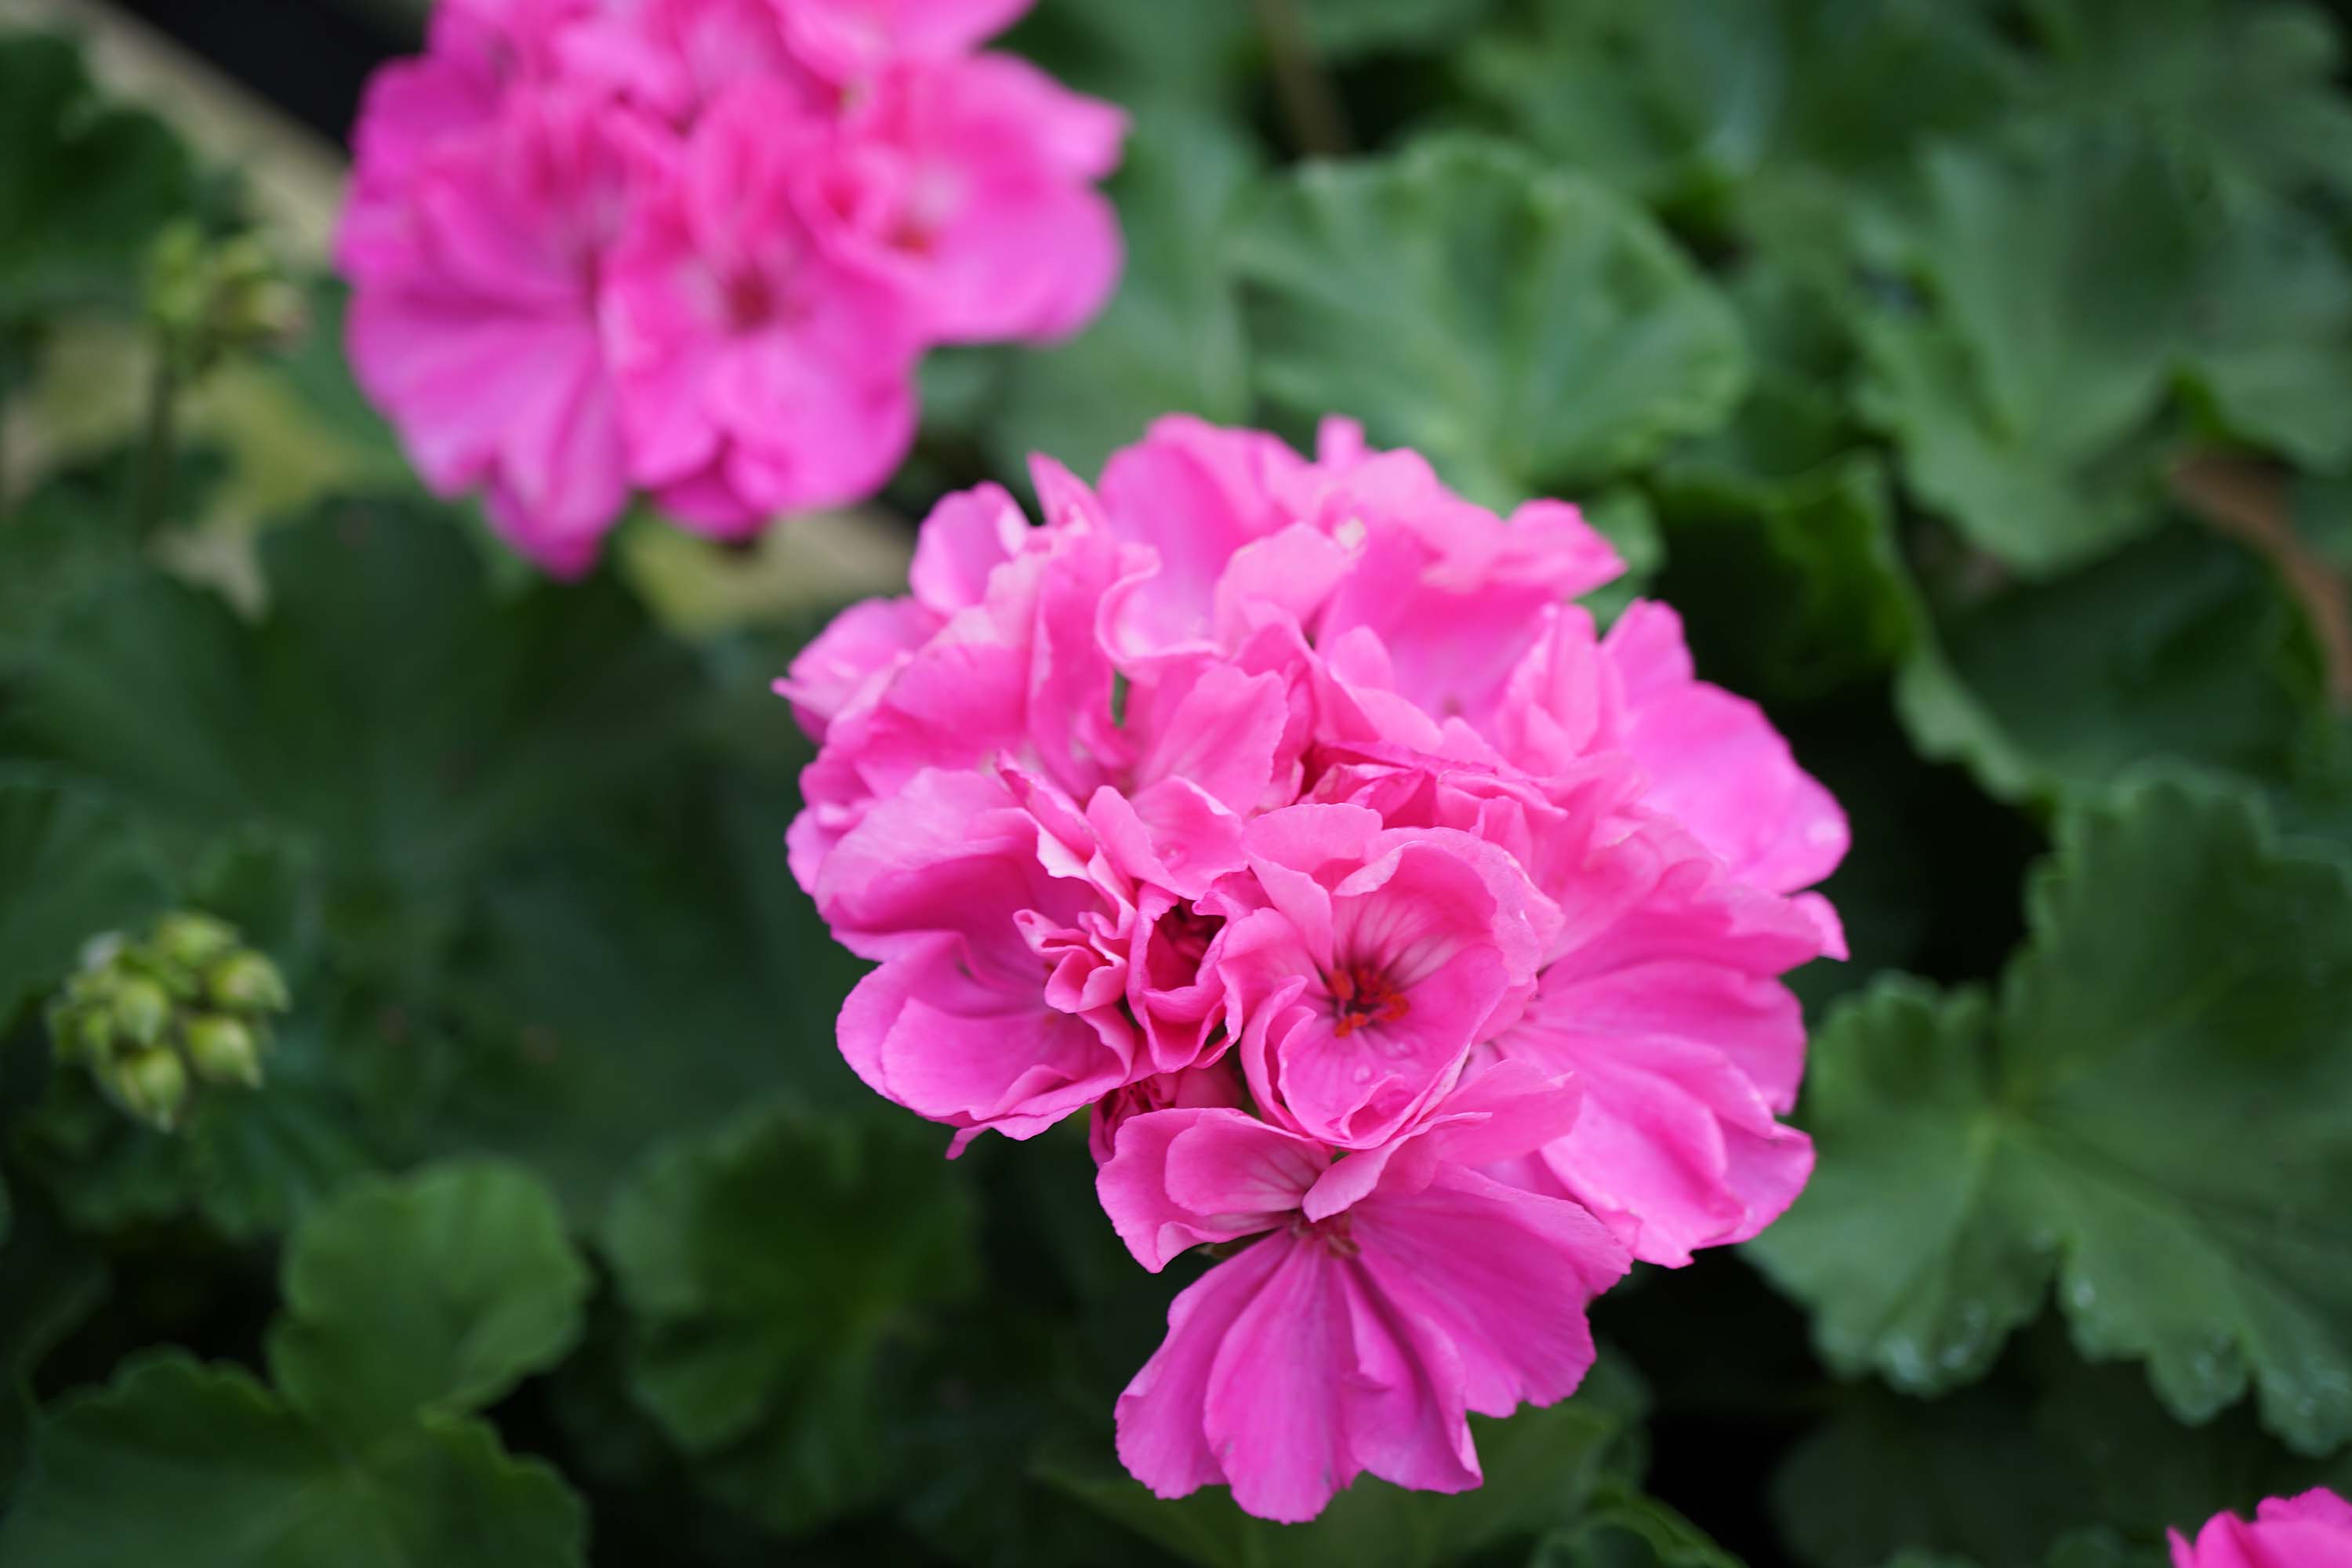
(818, 191)
(756, 375)
(476, 326)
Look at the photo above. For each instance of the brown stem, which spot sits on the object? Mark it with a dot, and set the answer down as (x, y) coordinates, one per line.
(2248, 500)
(1309, 104)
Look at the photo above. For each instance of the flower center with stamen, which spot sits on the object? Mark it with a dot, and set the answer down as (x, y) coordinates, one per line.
(750, 300)
(1362, 996)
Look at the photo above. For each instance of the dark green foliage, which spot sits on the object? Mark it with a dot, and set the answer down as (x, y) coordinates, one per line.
(1883, 337)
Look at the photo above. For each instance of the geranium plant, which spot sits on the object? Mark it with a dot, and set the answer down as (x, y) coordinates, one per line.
(1559, 782)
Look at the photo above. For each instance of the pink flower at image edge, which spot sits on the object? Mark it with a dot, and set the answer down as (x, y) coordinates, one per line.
(2312, 1530)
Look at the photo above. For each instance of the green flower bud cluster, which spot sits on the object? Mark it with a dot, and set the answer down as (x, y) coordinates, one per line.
(154, 1021)
(213, 298)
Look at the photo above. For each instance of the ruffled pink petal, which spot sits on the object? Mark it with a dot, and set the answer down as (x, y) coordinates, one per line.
(849, 39)
(1717, 766)
(1273, 1411)
(1161, 1438)
(1179, 1178)
(966, 538)
(1504, 1274)
(922, 1032)
(864, 643)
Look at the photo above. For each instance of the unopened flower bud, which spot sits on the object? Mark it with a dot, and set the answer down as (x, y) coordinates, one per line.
(211, 298)
(141, 1008)
(224, 1050)
(246, 982)
(193, 942)
(153, 1086)
(87, 1032)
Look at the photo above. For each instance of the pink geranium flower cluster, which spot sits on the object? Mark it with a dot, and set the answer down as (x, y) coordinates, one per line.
(1402, 935)
(696, 247)
(2313, 1531)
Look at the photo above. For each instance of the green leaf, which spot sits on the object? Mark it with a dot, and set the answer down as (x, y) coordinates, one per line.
(1629, 1530)
(2019, 401)
(2103, 1549)
(2272, 342)
(1528, 331)
(1667, 102)
(2181, 647)
(2187, 978)
(1888, 1473)
(1172, 340)
(73, 865)
(54, 1282)
(769, 1269)
(1798, 579)
(203, 1467)
(1145, 54)
(253, 1161)
(386, 708)
(2131, 1467)
(1543, 1467)
(440, 1291)
(1696, 106)
(70, 534)
(84, 185)
(2252, 87)
(1340, 29)
(626, 992)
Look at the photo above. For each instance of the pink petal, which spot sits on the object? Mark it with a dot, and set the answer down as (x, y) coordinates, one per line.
(1717, 763)
(1504, 1274)
(1179, 1178)
(1161, 1439)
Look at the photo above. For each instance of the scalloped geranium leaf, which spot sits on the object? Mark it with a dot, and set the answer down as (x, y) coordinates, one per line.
(2272, 342)
(2059, 282)
(1527, 330)
(73, 865)
(204, 1467)
(84, 185)
(635, 991)
(439, 1291)
(1797, 578)
(767, 1269)
(2178, 645)
(1686, 102)
(2253, 83)
(387, 708)
(2156, 1115)
(64, 538)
